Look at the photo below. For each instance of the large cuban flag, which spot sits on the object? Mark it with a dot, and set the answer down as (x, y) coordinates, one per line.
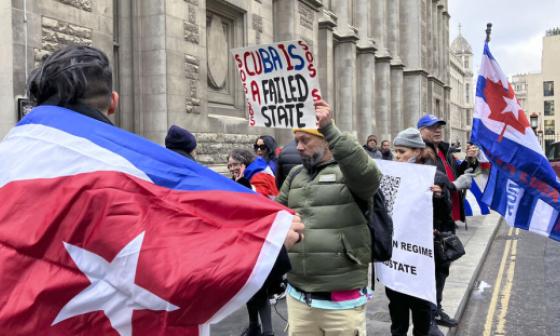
(105, 233)
(522, 186)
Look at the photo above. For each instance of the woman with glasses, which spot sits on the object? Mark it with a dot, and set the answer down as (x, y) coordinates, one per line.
(253, 172)
(265, 147)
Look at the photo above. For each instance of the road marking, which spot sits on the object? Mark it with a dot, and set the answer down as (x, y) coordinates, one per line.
(497, 288)
(506, 293)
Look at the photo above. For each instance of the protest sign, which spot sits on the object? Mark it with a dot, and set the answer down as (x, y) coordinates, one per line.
(408, 197)
(280, 84)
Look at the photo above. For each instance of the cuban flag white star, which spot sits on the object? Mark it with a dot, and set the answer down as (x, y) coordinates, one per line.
(512, 106)
(112, 287)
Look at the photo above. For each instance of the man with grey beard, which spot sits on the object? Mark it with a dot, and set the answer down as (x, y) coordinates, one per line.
(326, 292)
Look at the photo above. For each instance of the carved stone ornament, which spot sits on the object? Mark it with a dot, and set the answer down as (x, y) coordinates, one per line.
(218, 53)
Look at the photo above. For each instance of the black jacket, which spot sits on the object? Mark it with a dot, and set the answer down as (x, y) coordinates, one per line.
(288, 159)
(458, 169)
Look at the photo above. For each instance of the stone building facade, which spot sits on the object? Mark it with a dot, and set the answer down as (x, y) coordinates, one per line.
(382, 63)
(462, 91)
(539, 93)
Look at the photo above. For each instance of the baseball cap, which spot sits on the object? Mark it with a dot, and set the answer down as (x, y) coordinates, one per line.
(429, 120)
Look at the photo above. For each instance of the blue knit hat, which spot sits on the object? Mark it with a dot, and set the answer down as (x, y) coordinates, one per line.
(179, 138)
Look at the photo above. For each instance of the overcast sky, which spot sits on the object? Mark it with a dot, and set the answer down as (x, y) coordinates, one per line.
(517, 32)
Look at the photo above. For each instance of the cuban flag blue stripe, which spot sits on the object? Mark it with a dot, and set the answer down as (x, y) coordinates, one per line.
(497, 197)
(487, 52)
(480, 85)
(525, 211)
(164, 168)
(478, 195)
(522, 158)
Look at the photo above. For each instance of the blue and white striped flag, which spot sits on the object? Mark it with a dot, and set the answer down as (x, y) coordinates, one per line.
(522, 186)
(473, 202)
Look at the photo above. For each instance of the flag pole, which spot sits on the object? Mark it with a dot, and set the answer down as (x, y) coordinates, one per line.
(488, 31)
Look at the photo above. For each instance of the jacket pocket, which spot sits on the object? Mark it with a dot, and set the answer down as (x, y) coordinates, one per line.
(347, 248)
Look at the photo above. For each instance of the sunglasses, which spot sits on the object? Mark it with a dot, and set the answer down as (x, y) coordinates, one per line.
(261, 147)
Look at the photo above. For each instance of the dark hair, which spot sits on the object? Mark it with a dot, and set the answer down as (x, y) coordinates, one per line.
(371, 136)
(270, 144)
(242, 155)
(73, 75)
(427, 156)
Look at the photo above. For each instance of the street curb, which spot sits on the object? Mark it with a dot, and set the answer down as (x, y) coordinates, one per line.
(467, 294)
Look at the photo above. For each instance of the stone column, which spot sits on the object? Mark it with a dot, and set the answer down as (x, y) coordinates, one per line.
(446, 18)
(413, 37)
(325, 56)
(345, 82)
(379, 28)
(365, 121)
(410, 25)
(393, 30)
(435, 39)
(383, 96)
(382, 69)
(393, 13)
(432, 29)
(8, 113)
(441, 45)
(126, 31)
(285, 16)
(445, 68)
(345, 68)
(397, 90)
(151, 84)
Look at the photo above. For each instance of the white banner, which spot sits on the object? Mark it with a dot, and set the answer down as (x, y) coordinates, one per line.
(280, 83)
(406, 188)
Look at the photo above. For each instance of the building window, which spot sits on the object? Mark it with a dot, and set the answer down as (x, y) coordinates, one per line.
(549, 107)
(224, 31)
(468, 93)
(549, 127)
(548, 88)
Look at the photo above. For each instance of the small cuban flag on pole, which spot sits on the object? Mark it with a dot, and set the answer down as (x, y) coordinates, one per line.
(474, 206)
(522, 185)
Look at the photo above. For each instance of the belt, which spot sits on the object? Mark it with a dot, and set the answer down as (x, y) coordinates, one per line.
(314, 295)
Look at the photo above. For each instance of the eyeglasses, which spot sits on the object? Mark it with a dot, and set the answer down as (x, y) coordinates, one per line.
(261, 147)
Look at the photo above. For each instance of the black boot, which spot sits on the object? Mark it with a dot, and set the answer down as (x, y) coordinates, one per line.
(445, 320)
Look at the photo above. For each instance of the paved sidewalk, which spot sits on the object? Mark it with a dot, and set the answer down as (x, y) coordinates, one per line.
(476, 239)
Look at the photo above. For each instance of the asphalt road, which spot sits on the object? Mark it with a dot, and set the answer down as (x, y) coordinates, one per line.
(518, 289)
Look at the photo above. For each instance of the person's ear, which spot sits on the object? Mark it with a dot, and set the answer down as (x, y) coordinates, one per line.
(114, 103)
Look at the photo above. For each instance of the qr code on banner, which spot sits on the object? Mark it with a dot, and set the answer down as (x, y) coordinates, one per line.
(390, 188)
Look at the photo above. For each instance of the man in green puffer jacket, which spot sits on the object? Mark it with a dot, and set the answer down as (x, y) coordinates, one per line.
(327, 284)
